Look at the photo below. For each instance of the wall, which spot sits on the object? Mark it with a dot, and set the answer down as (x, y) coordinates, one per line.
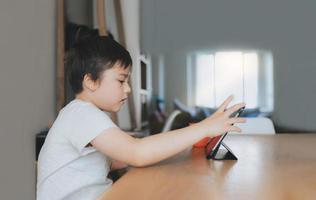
(130, 12)
(286, 28)
(79, 12)
(27, 61)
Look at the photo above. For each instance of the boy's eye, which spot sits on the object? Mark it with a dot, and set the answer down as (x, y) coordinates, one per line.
(121, 81)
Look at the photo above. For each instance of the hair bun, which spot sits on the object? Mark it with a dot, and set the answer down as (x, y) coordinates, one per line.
(85, 32)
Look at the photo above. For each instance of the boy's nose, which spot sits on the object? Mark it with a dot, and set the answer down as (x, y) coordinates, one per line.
(127, 88)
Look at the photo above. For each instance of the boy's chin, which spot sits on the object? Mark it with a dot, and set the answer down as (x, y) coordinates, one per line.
(112, 110)
(116, 108)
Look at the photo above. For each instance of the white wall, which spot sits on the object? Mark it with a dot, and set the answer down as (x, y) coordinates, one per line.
(130, 12)
(27, 44)
(287, 28)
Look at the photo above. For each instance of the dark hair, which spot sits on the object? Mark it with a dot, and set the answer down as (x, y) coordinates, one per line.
(92, 54)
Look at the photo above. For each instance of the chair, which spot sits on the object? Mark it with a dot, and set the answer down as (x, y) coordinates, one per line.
(170, 120)
(176, 120)
(257, 125)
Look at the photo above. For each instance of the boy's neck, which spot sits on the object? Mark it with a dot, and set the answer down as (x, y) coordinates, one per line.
(83, 97)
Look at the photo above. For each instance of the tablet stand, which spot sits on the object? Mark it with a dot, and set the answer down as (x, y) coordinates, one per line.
(222, 153)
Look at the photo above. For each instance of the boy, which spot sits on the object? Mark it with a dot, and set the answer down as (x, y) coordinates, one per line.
(75, 159)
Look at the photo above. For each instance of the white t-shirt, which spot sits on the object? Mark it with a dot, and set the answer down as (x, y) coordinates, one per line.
(67, 169)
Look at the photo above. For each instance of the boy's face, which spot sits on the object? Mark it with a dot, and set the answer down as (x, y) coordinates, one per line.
(113, 89)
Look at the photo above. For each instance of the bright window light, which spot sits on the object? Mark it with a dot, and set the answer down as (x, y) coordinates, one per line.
(221, 74)
(204, 96)
(251, 79)
(228, 76)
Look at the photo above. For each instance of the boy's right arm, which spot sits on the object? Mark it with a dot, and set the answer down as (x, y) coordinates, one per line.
(142, 152)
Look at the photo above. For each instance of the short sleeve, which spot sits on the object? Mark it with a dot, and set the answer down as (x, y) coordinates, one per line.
(87, 123)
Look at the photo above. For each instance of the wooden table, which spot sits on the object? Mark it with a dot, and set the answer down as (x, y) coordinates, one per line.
(269, 167)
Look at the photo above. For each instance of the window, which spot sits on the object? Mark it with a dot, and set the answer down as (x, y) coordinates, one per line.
(246, 75)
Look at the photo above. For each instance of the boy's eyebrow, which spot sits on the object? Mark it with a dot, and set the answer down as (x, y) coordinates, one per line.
(125, 75)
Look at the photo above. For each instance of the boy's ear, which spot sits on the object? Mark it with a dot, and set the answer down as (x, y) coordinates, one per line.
(89, 83)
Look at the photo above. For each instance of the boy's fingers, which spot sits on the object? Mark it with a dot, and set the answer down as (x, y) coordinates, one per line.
(236, 120)
(234, 108)
(223, 106)
(235, 129)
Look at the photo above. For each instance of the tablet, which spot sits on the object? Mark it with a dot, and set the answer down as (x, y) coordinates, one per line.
(212, 147)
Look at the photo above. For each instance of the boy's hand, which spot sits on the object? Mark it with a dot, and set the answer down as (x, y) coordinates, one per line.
(220, 122)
